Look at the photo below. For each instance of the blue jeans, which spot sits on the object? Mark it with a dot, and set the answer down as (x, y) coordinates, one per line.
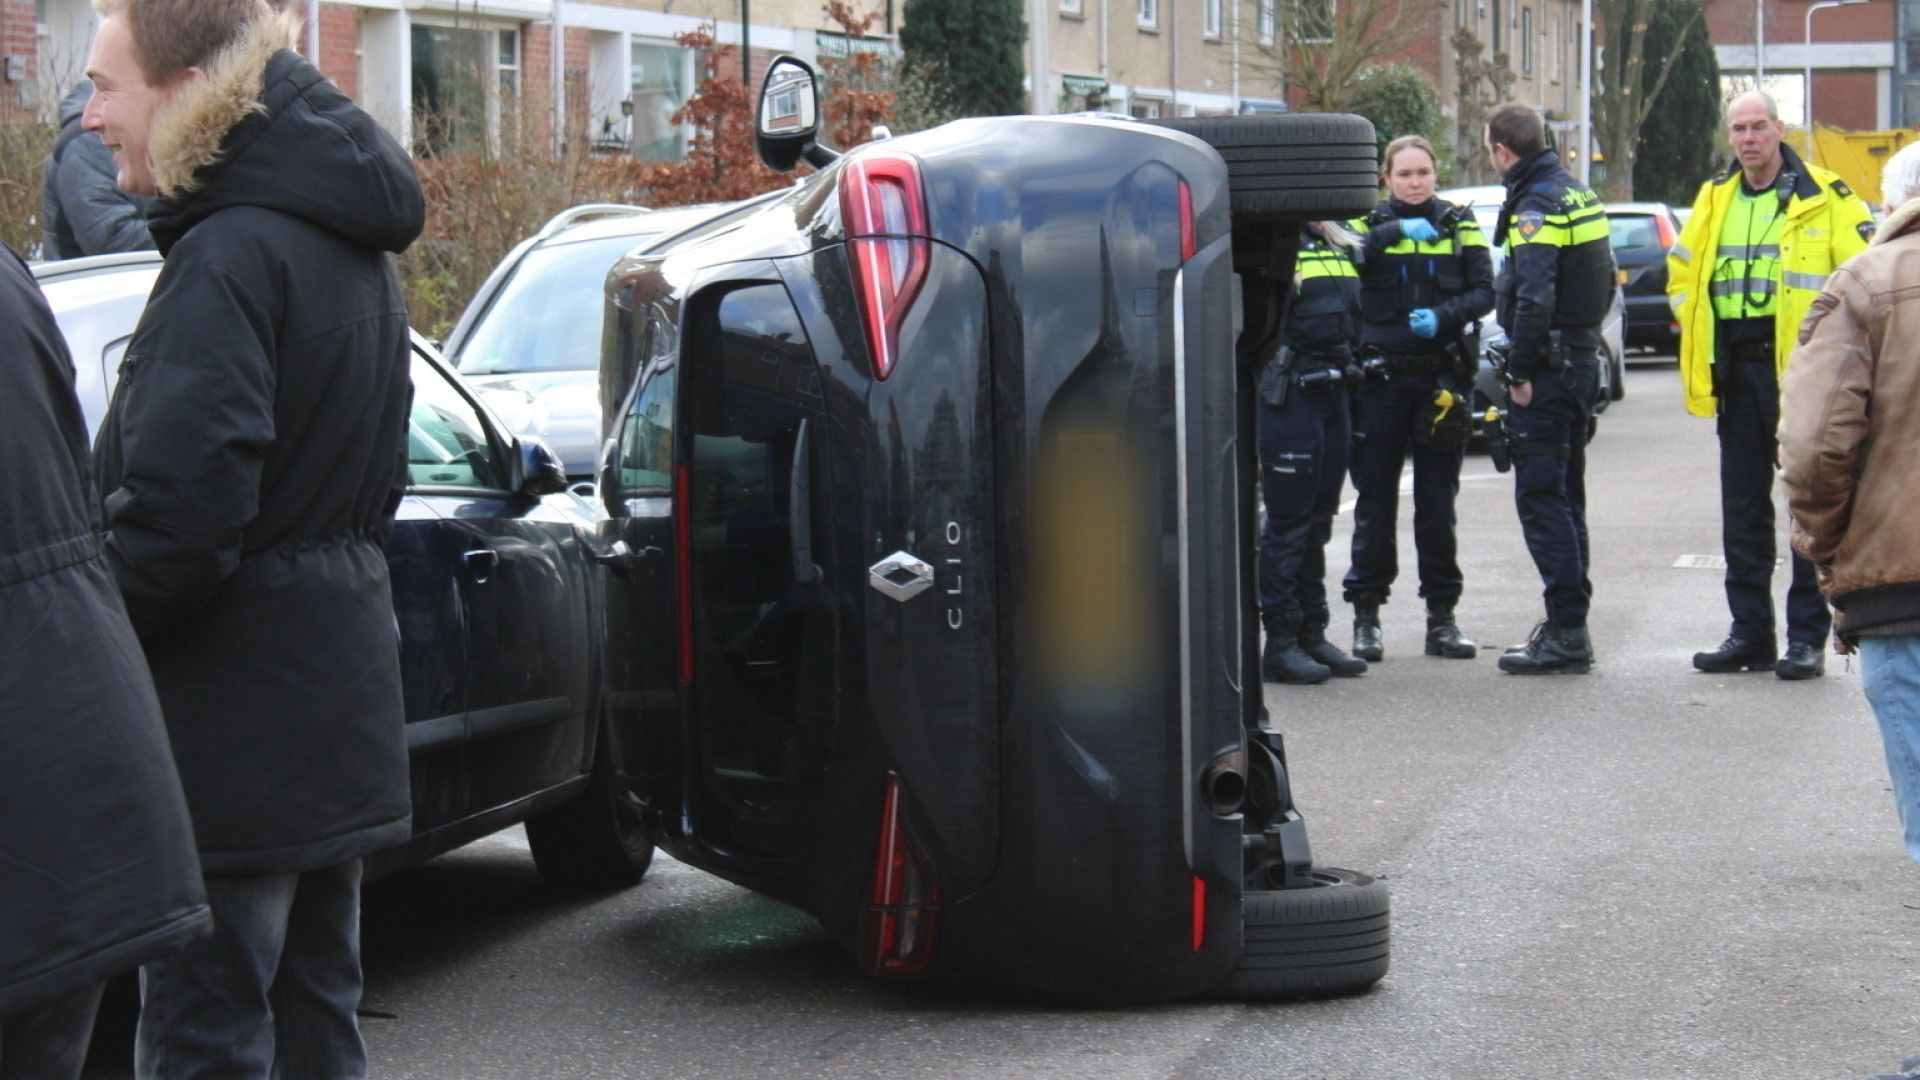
(1890, 672)
(271, 993)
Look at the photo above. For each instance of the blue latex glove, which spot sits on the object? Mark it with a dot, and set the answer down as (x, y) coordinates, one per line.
(1424, 322)
(1418, 229)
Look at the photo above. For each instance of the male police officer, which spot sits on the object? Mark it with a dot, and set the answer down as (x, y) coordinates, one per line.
(1553, 292)
(1763, 236)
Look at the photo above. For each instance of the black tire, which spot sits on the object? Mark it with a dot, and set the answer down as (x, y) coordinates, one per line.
(1293, 168)
(1618, 389)
(1321, 941)
(593, 841)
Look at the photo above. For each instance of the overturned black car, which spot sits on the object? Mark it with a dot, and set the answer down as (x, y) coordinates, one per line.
(930, 488)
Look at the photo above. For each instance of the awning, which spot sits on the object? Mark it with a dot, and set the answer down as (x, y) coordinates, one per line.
(1083, 85)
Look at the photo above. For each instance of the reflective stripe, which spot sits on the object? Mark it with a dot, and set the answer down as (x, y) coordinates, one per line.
(1678, 252)
(1676, 300)
(1752, 286)
(1797, 280)
(1749, 251)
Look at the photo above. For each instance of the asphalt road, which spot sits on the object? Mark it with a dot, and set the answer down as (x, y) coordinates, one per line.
(1642, 873)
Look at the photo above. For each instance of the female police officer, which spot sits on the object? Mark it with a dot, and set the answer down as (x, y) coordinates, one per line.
(1425, 281)
(1304, 439)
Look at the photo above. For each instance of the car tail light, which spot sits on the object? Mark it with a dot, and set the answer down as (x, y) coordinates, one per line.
(896, 928)
(1186, 222)
(1665, 228)
(885, 212)
(1199, 913)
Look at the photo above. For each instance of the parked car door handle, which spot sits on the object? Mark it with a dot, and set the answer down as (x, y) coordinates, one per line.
(480, 564)
(624, 560)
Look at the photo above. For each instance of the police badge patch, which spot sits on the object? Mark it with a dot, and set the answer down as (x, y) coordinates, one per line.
(1865, 229)
(1529, 222)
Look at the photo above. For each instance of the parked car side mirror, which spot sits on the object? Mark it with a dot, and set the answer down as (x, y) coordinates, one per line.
(787, 124)
(540, 469)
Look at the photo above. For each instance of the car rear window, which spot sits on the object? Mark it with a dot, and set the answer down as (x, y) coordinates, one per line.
(547, 316)
(1633, 232)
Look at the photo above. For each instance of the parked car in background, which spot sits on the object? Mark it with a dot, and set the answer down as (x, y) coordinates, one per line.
(1641, 233)
(529, 340)
(929, 541)
(1485, 201)
(498, 603)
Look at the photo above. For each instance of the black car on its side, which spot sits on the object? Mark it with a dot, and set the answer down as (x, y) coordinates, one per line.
(930, 487)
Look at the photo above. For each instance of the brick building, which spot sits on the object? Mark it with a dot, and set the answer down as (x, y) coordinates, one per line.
(1856, 78)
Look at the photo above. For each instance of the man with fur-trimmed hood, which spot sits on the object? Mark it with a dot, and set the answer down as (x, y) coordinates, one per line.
(251, 463)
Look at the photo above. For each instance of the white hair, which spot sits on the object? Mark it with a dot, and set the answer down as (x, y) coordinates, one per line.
(1900, 177)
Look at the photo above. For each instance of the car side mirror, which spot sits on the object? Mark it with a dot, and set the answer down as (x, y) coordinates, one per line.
(787, 124)
(540, 469)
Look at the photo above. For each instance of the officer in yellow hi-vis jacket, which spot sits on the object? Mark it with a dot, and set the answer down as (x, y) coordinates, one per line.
(1755, 253)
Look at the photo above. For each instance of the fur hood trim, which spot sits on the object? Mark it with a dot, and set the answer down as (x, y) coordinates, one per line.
(188, 131)
(1900, 222)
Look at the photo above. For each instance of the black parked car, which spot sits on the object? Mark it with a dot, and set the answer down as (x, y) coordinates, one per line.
(931, 489)
(497, 599)
(1641, 233)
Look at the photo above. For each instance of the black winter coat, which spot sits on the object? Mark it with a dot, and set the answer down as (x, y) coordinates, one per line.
(97, 871)
(253, 456)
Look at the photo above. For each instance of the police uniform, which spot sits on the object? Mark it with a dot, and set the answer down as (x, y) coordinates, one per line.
(1555, 287)
(1304, 432)
(1742, 277)
(1396, 410)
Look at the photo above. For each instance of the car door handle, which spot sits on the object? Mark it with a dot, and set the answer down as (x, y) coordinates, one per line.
(480, 564)
(624, 560)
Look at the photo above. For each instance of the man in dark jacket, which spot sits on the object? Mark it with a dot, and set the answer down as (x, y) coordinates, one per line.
(252, 460)
(82, 211)
(97, 870)
(1553, 293)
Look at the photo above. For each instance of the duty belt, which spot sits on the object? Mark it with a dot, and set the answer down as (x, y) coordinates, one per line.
(1746, 352)
(1417, 363)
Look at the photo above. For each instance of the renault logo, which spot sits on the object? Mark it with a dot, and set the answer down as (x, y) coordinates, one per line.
(900, 576)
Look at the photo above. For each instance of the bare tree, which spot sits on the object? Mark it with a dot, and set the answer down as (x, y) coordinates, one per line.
(1485, 81)
(1622, 98)
(1323, 46)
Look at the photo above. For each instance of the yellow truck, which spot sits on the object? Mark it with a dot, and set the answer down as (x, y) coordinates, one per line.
(1858, 156)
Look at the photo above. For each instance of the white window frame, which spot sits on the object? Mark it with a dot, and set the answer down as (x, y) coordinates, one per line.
(1138, 102)
(1264, 20)
(1071, 7)
(492, 28)
(1559, 47)
(1148, 12)
(1526, 40)
(1210, 18)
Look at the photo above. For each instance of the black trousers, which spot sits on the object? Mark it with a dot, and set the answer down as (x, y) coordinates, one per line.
(1550, 484)
(1303, 462)
(1749, 419)
(1385, 415)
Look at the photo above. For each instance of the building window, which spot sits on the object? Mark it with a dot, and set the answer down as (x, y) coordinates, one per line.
(1210, 18)
(1559, 47)
(1148, 11)
(662, 76)
(1070, 7)
(1526, 41)
(1499, 26)
(1313, 20)
(1263, 20)
(1143, 108)
(465, 78)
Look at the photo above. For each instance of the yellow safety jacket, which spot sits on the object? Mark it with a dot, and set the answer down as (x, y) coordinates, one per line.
(1826, 225)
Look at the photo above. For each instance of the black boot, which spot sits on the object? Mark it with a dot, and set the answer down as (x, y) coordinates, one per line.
(1367, 644)
(1284, 661)
(1551, 650)
(1443, 634)
(1313, 639)
(1802, 661)
(1738, 653)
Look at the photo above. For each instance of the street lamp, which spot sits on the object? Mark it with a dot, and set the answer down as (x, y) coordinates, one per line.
(1806, 96)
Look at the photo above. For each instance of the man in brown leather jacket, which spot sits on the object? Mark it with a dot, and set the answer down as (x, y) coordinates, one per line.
(1850, 463)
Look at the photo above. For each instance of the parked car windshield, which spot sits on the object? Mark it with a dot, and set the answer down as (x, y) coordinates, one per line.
(547, 316)
(1633, 232)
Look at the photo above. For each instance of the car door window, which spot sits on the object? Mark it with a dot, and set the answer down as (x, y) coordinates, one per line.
(447, 444)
